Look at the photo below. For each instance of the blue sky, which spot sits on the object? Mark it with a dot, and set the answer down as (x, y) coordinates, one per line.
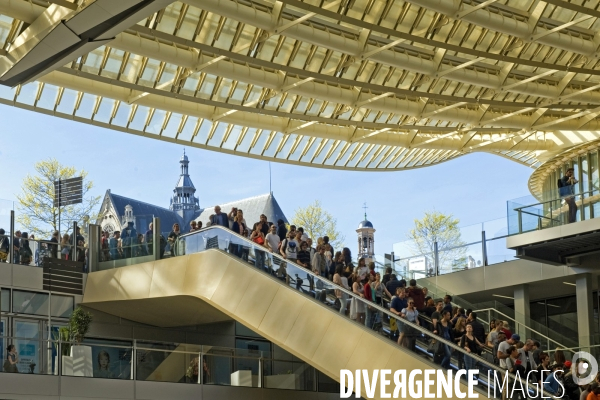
(474, 187)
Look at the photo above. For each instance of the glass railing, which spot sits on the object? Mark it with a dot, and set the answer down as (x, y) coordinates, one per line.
(131, 242)
(465, 250)
(524, 326)
(348, 304)
(33, 252)
(161, 362)
(493, 310)
(527, 213)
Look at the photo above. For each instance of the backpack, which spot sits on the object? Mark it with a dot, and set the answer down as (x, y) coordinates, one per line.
(25, 254)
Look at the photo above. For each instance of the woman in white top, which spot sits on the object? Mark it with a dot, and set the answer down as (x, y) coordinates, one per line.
(358, 308)
(340, 279)
(361, 269)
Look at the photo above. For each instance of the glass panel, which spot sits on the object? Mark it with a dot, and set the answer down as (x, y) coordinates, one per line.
(5, 299)
(561, 206)
(3, 332)
(28, 346)
(30, 303)
(595, 182)
(6, 206)
(242, 330)
(61, 306)
(96, 360)
(165, 365)
(361, 311)
(289, 375)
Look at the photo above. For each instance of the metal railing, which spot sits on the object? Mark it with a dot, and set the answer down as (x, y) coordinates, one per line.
(552, 212)
(217, 238)
(517, 324)
(159, 361)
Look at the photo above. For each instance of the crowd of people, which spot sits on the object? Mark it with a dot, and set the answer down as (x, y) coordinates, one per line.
(407, 301)
(462, 327)
(128, 243)
(27, 250)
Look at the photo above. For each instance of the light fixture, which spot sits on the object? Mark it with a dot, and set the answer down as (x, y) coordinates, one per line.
(569, 283)
(504, 297)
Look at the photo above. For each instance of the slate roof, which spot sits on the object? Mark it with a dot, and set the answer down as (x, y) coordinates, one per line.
(252, 208)
(167, 217)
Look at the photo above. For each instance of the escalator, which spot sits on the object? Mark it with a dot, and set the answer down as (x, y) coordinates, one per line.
(223, 275)
(550, 338)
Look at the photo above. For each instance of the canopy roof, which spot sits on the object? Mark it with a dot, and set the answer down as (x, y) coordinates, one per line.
(346, 84)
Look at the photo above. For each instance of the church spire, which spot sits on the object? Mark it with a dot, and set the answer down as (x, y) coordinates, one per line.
(183, 199)
(184, 165)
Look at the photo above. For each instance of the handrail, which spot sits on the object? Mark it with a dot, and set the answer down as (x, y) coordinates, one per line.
(537, 215)
(135, 346)
(556, 199)
(517, 322)
(548, 339)
(368, 303)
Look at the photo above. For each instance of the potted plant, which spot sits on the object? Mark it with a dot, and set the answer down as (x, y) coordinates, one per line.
(79, 326)
(64, 337)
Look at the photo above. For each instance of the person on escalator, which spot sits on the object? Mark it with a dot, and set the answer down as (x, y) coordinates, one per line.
(409, 334)
(478, 329)
(444, 330)
(290, 247)
(417, 295)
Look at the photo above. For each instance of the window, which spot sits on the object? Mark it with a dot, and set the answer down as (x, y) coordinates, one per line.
(61, 306)
(30, 303)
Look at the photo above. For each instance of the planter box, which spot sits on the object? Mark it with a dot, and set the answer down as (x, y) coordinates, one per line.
(82, 361)
(244, 378)
(67, 365)
(288, 381)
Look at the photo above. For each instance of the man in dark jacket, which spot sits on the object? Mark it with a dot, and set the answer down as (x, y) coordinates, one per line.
(281, 230)
(566, 189)
(478, 329)
(417, 295)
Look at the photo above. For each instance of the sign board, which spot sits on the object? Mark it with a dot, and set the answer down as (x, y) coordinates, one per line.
(417, 264)
(68, 191)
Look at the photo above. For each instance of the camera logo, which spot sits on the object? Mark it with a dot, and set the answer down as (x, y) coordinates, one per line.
(584, 368)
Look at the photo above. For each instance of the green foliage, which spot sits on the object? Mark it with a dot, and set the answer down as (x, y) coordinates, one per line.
(37, 213)
(318, 223)
(64, 335)
(79, 324)
(443, 229)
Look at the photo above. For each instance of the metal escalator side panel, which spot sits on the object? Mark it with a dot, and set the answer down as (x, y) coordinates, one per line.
(309, 330)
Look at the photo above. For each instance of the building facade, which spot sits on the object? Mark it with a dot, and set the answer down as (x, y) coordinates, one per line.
(117, 211)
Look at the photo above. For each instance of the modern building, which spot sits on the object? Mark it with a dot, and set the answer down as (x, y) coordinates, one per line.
(359, 85)
(117, 211)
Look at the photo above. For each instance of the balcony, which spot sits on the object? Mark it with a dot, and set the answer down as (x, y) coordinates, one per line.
(557, 231)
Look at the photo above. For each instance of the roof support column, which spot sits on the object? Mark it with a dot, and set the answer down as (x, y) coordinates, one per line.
(585, 309)
(522, 310)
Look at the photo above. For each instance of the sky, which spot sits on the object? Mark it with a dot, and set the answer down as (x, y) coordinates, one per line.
(474, 188)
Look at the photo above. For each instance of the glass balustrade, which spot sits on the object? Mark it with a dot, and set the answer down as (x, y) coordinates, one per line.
(349, 304)
(528, 213)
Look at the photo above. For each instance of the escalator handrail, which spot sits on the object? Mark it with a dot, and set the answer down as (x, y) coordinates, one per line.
(526, 327)
(491, 309)
(354, 296)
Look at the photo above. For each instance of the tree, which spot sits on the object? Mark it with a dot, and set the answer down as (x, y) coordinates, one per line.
(318, 223)
(37, 213)
(443, 229)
